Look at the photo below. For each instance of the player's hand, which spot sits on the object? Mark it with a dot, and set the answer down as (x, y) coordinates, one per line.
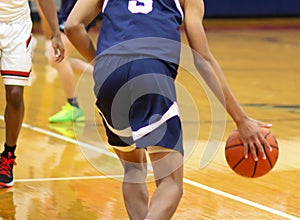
(58, 47)
(252, 138)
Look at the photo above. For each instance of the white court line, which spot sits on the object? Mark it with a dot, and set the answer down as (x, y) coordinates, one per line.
(68, 178)
(241, 200)
(187, 181)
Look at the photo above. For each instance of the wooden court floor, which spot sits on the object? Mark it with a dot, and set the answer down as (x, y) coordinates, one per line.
(64, 171)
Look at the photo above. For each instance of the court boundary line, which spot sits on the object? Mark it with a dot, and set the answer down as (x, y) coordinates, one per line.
(240, 199)
(67, 178)
(185, 180)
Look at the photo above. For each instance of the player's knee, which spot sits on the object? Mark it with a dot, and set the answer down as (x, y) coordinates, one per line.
(14, 96)
(135, 172)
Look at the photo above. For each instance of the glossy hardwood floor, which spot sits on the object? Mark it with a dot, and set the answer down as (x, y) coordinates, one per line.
(67, 174)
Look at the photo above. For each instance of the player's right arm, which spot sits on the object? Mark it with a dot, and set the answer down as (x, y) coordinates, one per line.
(212, 73)
(81, 15)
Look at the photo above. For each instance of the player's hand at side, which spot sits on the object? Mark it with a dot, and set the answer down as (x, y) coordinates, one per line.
(249, 130)
(58, 47)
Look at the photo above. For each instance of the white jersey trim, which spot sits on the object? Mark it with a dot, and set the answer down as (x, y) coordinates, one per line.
(179, 8)
(104, 5)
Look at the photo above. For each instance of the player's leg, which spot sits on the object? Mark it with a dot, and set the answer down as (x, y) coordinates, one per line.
(15, 70)
(14, 112)
(71, 111)
(154, 119)
(13, 117)
(135, 192)
(168, 173)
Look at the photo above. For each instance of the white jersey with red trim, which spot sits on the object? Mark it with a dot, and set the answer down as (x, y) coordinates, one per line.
(14, 10)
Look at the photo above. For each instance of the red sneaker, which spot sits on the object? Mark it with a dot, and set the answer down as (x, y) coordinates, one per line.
(6, 170)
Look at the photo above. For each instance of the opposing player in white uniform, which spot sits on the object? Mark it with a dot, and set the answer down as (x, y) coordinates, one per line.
(15, 67)
(135, 68)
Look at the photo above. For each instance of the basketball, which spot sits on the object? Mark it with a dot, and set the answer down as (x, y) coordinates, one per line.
(234, 153)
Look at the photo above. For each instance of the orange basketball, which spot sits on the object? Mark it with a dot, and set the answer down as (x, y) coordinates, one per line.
(234, 153)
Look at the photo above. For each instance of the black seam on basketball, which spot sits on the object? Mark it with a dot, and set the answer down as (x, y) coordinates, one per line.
(268, 134)
(233, 146)
(271, 165)
(255, 165)
(238, 163)
(254, 169)
(275, 139)
(275, 147)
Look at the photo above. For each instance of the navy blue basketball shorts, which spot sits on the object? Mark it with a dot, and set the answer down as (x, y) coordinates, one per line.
(137, 102)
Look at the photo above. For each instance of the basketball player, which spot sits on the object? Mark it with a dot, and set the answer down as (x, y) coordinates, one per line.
(71, 111)
(135, 67)
(15, 67)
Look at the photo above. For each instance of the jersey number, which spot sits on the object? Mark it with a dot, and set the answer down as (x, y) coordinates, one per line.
(140, 6)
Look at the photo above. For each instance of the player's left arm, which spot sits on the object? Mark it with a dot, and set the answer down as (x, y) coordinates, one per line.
(212, 73)
(49, 10)
(81, 15)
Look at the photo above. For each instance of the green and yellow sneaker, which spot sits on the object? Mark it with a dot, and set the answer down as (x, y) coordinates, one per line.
(68, 113)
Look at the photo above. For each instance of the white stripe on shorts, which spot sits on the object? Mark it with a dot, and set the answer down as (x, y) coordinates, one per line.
(172, 111)
(127, 132)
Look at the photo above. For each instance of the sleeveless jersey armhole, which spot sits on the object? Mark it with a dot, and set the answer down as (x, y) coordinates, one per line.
(179, 8)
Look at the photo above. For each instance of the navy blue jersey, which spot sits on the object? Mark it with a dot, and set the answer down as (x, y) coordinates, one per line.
(126, 20)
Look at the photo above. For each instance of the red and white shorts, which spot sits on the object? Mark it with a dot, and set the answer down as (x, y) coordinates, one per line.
(16, 53)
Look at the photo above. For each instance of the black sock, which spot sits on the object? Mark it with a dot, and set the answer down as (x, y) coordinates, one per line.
(9, 149)
(73, 102)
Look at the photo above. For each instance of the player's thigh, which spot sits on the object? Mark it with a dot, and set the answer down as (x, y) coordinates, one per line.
(167, 164)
